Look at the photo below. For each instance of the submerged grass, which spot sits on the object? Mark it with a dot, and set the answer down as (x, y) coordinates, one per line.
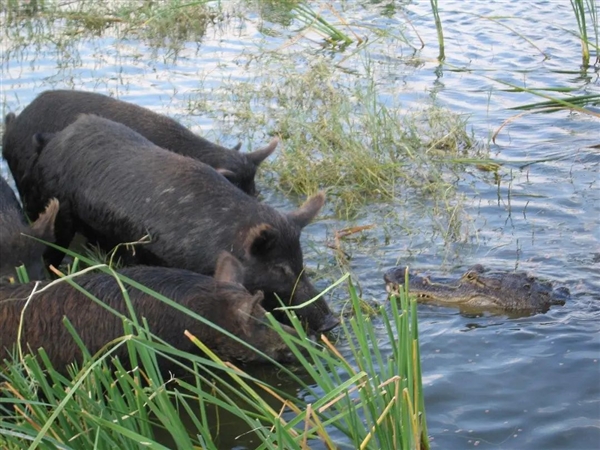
(167, 24)
(362, 399)
(341, 137)
(162, 23)
(577, 103)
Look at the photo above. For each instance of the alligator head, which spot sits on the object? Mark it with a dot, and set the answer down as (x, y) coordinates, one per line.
(475, 289)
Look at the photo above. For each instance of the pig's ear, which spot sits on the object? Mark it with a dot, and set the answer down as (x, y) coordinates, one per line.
(40, 140)
(260, 240)
(237, 147)
(245, 312)
(307, 212)
(258, 156)
(9, 118)
(229, 269)
(226, 173)
(43, 227)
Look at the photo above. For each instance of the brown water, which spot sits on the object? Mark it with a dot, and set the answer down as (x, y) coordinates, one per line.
(490, 381)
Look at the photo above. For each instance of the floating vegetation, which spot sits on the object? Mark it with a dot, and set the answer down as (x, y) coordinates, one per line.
(578, 103)
(169, 24)
(313, 20)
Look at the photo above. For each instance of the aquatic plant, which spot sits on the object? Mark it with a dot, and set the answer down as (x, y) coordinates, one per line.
(340, 136)
(167, 24)
(582, 10)
(577, 103)
(314, 20)
(438, 27)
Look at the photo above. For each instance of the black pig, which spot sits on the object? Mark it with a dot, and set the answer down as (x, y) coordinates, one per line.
(123, 187)
(15, 248)
(51, 111)
(222, 300)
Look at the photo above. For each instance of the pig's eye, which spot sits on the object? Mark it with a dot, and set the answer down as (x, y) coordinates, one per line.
(7, 280)
(283, 270)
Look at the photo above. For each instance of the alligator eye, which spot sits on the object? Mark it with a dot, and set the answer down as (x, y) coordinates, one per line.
(471, 276)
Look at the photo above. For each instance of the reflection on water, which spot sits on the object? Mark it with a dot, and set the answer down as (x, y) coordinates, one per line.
(490, 381)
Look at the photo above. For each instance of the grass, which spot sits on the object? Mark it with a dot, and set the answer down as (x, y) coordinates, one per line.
(313, 20)
(363, 399)
(166, 24)
(344, 139)
(439, 29)
(584, 9)
(339, 134)
(576, 103)
(160, 24)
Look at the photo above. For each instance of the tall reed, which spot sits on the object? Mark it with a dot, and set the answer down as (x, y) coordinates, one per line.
(304, 13)
(364, 398)
(438, 27)
(579, 8)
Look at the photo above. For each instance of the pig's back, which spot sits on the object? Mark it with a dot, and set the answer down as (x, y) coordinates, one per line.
(123, 187)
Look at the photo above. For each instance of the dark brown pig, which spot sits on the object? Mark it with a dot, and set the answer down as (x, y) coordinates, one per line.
(116, 186)
(51, 111)
(221, 300)
(16, 249)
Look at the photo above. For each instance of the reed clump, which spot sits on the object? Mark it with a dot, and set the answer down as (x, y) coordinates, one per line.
(362, 399)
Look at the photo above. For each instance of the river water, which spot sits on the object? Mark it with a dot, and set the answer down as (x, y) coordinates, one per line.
(491, 381)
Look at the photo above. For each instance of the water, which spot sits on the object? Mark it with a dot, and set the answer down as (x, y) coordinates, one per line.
(490, 381)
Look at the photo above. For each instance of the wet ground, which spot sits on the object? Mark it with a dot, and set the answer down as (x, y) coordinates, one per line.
(490, 381)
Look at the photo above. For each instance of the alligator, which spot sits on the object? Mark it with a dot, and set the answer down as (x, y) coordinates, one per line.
(494, 291)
